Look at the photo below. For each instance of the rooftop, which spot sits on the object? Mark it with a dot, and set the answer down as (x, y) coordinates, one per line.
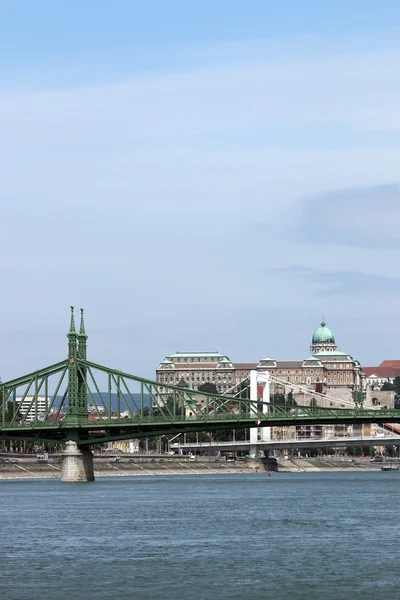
(388, 368)
(195, 354)
(323, 335)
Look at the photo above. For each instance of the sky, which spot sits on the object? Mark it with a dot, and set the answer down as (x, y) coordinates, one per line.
(198, 175)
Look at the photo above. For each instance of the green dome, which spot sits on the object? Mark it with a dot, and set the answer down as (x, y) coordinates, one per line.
(323, 335)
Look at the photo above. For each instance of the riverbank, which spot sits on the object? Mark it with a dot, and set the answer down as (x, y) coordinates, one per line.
(28, 468)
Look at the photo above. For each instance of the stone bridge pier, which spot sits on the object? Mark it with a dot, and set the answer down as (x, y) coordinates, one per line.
(77, 465)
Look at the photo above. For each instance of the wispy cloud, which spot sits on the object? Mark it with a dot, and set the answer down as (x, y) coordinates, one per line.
(365, 217)
(343, 283)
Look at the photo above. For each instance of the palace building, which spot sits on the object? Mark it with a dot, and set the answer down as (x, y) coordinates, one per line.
(326, 370)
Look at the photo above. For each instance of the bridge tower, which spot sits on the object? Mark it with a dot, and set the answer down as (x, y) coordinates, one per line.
(77, 461)
(262, 434)
(77, 397)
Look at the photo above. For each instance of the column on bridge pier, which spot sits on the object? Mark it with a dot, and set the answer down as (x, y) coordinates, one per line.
(264, 433)
(77, 465)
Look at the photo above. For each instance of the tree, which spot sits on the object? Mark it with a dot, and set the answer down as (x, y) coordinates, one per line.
(277, 398)
(387, 387)
(358, 398)
(244, 390)
(208, 387)
(396, 384)
(11, 408)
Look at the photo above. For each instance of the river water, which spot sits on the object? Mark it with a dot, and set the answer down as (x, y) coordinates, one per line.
(293, 536)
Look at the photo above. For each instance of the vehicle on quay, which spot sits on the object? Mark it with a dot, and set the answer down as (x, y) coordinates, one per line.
(42, 457)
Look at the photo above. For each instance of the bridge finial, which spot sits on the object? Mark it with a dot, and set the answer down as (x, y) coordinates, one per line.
(72, 324)
(82, 337)
(82, 327)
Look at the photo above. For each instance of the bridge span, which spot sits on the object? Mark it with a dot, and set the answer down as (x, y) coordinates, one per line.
(52, 405)
(298, 443)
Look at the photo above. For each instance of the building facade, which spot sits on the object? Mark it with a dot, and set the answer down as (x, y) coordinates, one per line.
(326, 370)
(192, 369)
(33, 410)
(376, 377)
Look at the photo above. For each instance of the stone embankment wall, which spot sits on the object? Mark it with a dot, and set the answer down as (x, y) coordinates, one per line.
(27, 467)
(373, 398)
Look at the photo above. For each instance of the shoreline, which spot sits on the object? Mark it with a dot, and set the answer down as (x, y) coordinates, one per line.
(33, 471)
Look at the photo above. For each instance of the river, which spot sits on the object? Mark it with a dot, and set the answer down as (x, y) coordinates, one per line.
(288, 536)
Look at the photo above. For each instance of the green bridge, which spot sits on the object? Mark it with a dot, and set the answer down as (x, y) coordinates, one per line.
(52, 405)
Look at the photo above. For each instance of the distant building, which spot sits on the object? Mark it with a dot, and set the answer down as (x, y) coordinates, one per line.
(191, 369)
(32, 409)
(327, 369)
(385, 373)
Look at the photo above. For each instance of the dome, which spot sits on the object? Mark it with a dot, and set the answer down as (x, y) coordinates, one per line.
(323, 335)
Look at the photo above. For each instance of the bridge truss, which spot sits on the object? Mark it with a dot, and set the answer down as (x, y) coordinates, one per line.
(67, 401)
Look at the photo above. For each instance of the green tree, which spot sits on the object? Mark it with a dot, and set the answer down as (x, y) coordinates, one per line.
(358, 398)
(277, 398)
(387, 387)
(208, 387)
(396, 384)
(244, 390)
(11, 409)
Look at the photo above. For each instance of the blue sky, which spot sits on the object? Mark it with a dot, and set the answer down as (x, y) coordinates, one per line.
(198, 175)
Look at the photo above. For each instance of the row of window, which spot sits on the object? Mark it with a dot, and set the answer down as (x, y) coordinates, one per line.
(186, 359)
(341, 378)
(203, 378)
